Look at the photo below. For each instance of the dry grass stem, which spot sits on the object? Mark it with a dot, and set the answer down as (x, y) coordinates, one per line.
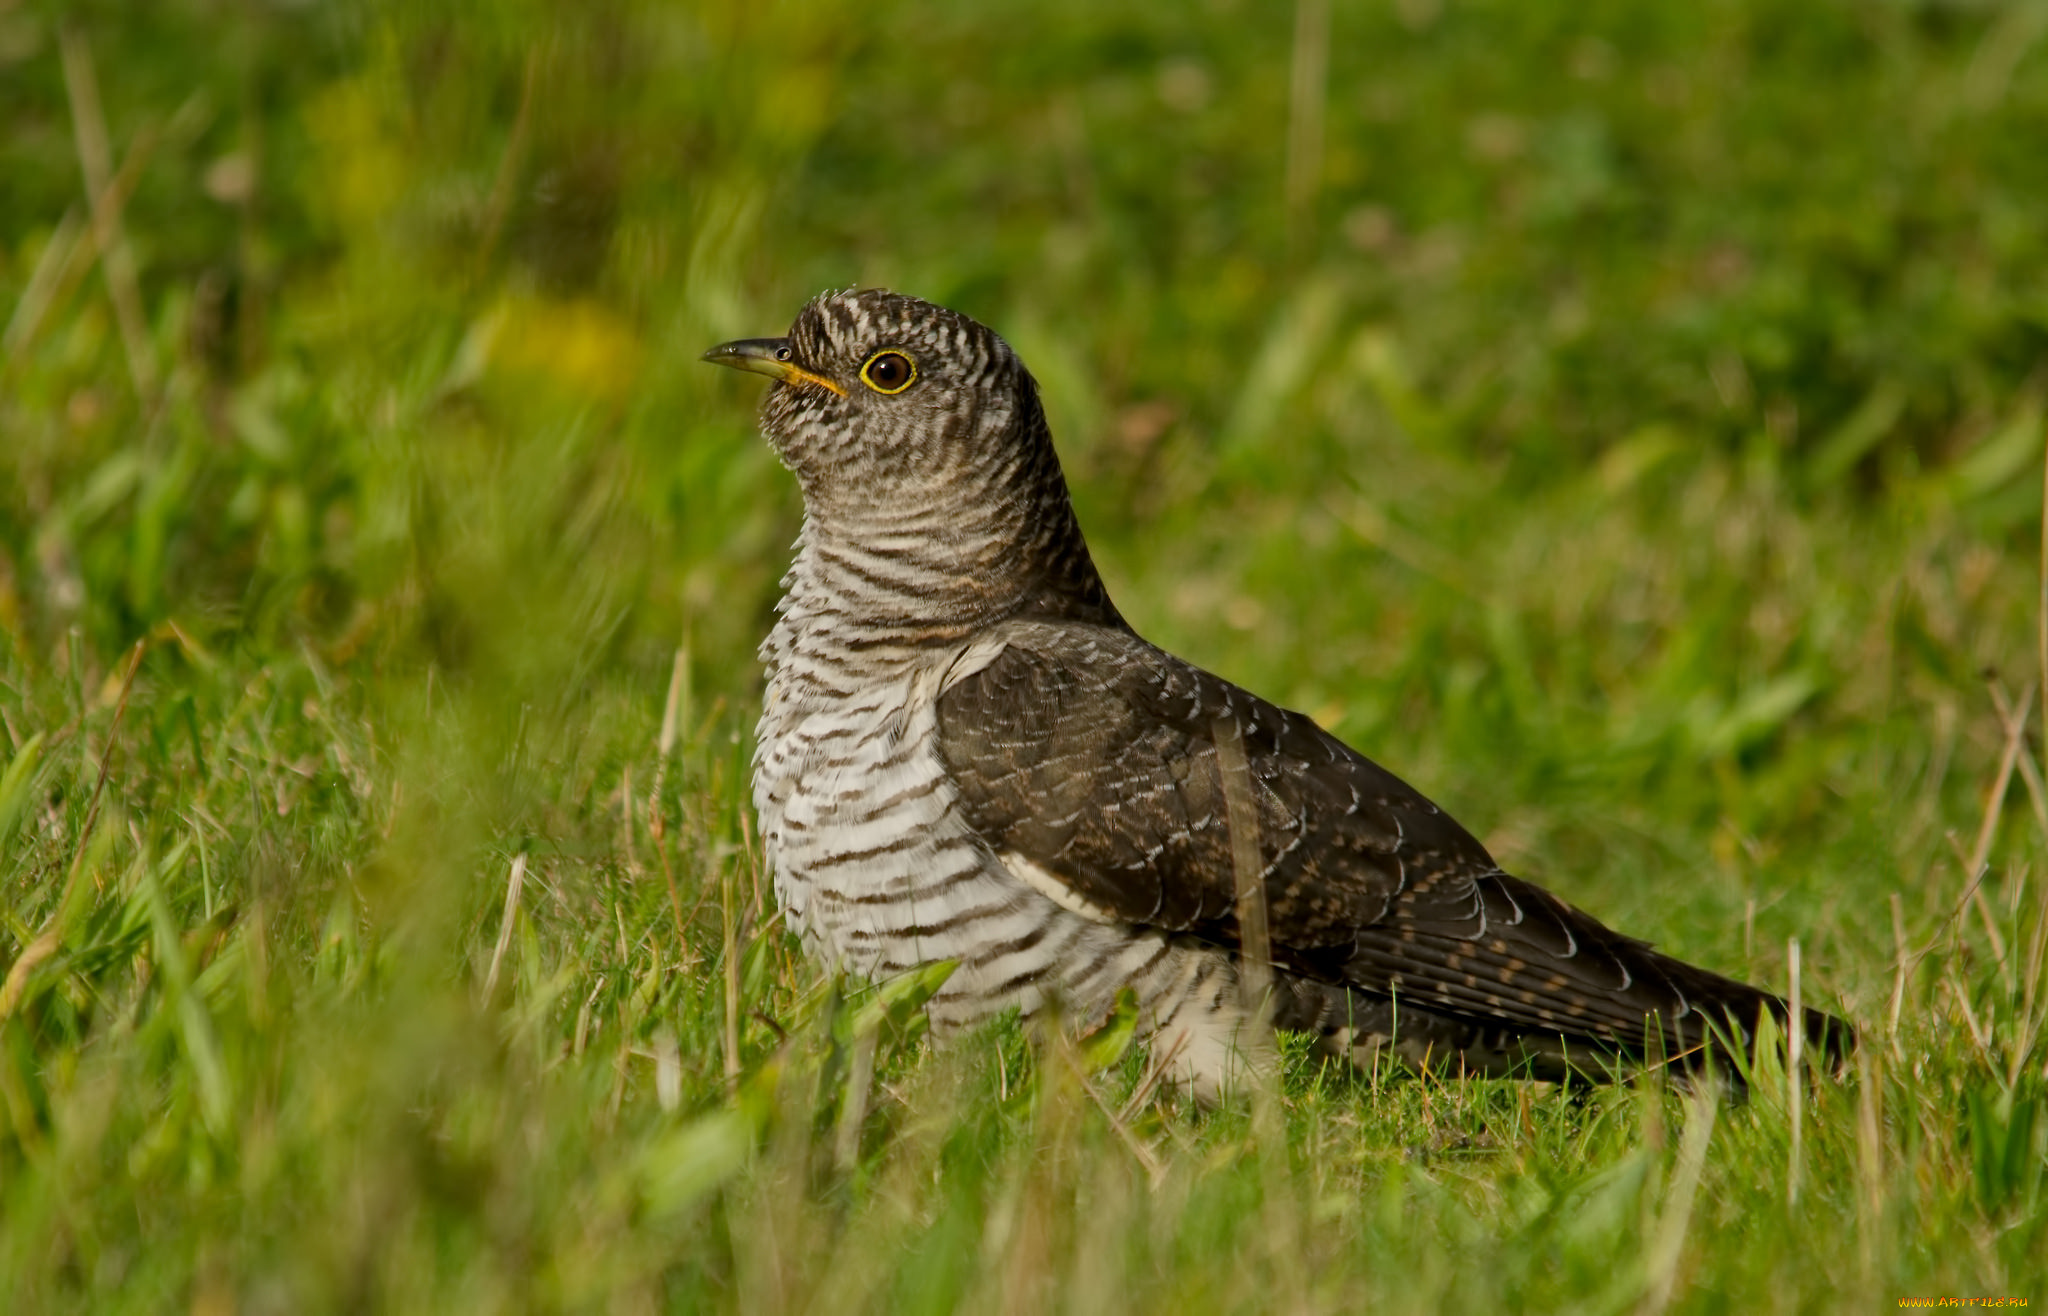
(1795, 1078)
(513, 886)
(1247, 866)
(89, 129)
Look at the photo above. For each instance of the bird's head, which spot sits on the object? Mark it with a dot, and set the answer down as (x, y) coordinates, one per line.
(885, 398)
(919, 441)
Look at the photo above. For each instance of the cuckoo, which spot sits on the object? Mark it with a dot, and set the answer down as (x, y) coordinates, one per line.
(966, 754)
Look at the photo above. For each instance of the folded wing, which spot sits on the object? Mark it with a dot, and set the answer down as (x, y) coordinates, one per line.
(1092, 754)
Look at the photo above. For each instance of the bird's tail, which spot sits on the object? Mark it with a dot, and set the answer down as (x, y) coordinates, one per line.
(1692, 1020)
(1722, 1018)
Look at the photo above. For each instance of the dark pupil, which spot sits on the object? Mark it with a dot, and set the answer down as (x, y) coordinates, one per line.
(888, 370)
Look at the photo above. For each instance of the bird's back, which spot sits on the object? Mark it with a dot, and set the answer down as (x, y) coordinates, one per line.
(1098, 753)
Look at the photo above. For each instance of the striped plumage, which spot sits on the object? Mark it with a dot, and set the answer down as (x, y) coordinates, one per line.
(966, 754)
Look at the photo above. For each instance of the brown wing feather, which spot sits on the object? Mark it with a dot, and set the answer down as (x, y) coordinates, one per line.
(1092, 753)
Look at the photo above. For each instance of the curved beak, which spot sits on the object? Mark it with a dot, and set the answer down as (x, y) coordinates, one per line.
(767, 356)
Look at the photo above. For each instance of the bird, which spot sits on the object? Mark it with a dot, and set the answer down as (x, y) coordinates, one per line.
(966, 754)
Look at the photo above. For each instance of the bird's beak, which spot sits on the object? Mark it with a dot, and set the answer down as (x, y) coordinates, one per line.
(768, 356)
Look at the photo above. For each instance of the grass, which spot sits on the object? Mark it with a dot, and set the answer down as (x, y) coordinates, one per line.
(1629, 428)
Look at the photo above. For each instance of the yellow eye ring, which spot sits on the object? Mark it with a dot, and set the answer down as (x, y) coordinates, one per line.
(889, 372)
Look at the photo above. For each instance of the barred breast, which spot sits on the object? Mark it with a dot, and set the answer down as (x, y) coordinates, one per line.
(878, 873)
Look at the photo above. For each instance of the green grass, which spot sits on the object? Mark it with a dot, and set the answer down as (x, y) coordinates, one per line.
(1629, 428)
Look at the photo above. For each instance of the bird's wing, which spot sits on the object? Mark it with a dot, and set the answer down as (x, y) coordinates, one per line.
(1090, 756)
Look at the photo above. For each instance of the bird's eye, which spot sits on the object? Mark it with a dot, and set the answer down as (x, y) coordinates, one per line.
(783, 354)
(888, 372)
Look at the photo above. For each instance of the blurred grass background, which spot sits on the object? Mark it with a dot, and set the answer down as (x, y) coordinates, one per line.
(1624, 420)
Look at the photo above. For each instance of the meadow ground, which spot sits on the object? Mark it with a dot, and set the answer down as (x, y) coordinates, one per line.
(1624, 420)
